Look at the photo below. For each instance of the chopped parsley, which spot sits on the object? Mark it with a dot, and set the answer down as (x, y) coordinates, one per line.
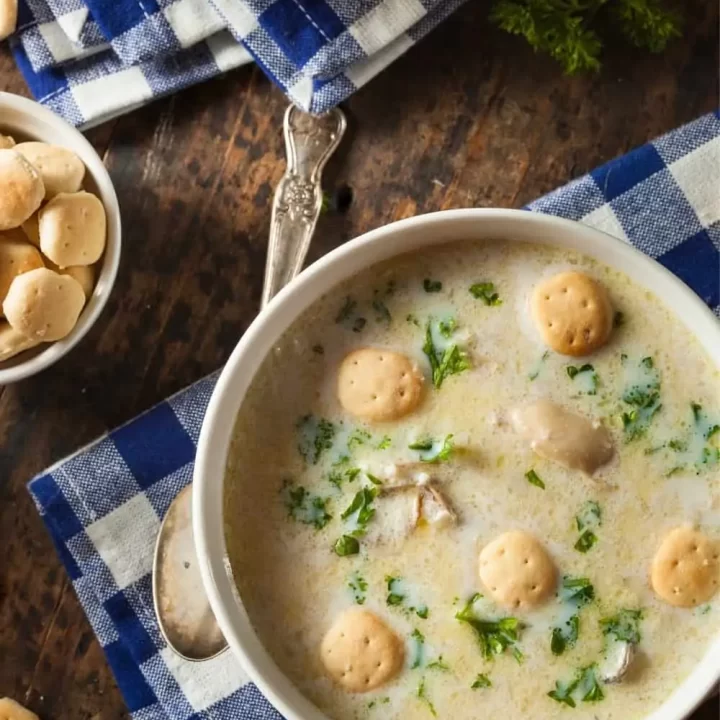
(361, 508)
(434, 451)
(577, 591)
(315, 437)
(358, 437)
(439, 664)
(381, 701)
(385, 443)
(422, 695)
(494, 636)
(565, 636)
(305, 507)
(450, 361)
(485, 291)
(397, 597)
(382, 314)
(534, 479)
(346, 545)
(412, 319)
(447, 327)
(358, 585)
(418, 649)
(347, 316)
(338, 477)
(584, 686)
(623, 626)
(534, 374)
(432, 286)
(481, 681)
(590, 516)
(587, 373)
(586, 541)
(643, 398)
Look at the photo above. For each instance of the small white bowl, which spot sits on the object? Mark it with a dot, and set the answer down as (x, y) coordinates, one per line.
(28, 120)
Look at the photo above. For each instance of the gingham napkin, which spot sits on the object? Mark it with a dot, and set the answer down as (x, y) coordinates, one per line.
(103, 506)
(90, 60)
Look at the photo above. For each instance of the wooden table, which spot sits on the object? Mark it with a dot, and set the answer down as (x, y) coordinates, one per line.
(470, 117)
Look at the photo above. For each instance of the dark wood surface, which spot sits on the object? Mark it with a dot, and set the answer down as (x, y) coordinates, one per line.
(470, 117)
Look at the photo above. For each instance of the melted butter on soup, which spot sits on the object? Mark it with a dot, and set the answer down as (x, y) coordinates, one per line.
(299, 462)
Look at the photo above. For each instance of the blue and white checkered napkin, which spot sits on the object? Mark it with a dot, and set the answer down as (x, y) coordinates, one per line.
(103, 506)
(90, 60)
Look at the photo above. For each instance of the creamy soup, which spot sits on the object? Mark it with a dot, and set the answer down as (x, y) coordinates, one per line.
(315, 524)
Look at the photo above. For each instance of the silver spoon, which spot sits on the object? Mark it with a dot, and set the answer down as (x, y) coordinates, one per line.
(184, 615)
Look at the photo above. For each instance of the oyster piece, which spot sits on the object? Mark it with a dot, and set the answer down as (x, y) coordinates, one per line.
(562, 436)
(617, 662)
(435, 508)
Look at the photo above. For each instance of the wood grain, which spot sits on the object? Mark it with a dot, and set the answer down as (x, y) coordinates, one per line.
(470, 117)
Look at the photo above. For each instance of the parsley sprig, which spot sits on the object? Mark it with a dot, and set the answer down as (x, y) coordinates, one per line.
(451, 361)
(584, 686)
(494, 636)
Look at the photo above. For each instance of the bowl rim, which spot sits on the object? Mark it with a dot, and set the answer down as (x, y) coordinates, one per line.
(362, 252)
(67, 136)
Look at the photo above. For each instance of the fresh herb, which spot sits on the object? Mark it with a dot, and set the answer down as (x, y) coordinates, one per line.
(534, 479)
(346, 545)
(494, 636)
(373, 478)
(565, 636)
(418, 650)
(394, 597)
(361, 507)
(338, 477)
(422, 612)
(382, 314)
(644, 398)
(385, 443)
(485, 291)
(584, 686)
(624, 626)
(447, 327)
(439, 664)
(422, 695)
(358, 437)
(450, 362)
(564, 30)
(346, 310)
(305, 507)
(412, 319)
(481, 681)
(593, 382)
(318, 349)
(359, 587)
(315, 437)
(534, 374)
(381, 701)
(618, 319)
(577, 591)
(586, 541)
(590, 516)
(432, 451)
(432, 286)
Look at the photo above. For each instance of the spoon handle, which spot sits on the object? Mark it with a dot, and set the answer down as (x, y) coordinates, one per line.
(309, 142)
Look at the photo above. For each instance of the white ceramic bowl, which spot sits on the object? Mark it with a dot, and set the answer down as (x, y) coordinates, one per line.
(333, 269)
(27, 120)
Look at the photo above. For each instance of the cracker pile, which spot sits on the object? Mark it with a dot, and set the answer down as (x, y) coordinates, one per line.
(52, 233)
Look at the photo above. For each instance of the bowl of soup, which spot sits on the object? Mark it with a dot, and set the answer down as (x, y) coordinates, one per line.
(469, 464)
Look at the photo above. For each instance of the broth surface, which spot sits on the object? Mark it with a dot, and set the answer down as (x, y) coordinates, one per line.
(293, 584)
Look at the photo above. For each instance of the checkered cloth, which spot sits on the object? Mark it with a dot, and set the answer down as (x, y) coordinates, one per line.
(90, 60)
(103, 506)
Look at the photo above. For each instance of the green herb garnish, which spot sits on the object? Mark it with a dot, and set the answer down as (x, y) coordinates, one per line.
(574, 371)
(586, 541)
(644, 399)
(567, 30)
(346, 310)
(431, 451)
(361, 507)
(338, 477)
(422, 695)
(394, 597)
(424, 445)
(385, 443)
(584, 686)
(624, 626)
(419, 649)
(534, 374)
(439, 664)
(358, 437)
(316, 436)
(485, 291)
(305, 507)
(534, 479)
(577, 591)
(481, 681)
(447, 327)
(412, 319)
(494, 636)
(450, 362)
(590, 516)
(359, 587)
(382, 314)
(346, 545)
(432, 286)
(565, 636)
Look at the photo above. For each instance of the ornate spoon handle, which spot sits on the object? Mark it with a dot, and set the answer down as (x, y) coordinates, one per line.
(309, 142)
